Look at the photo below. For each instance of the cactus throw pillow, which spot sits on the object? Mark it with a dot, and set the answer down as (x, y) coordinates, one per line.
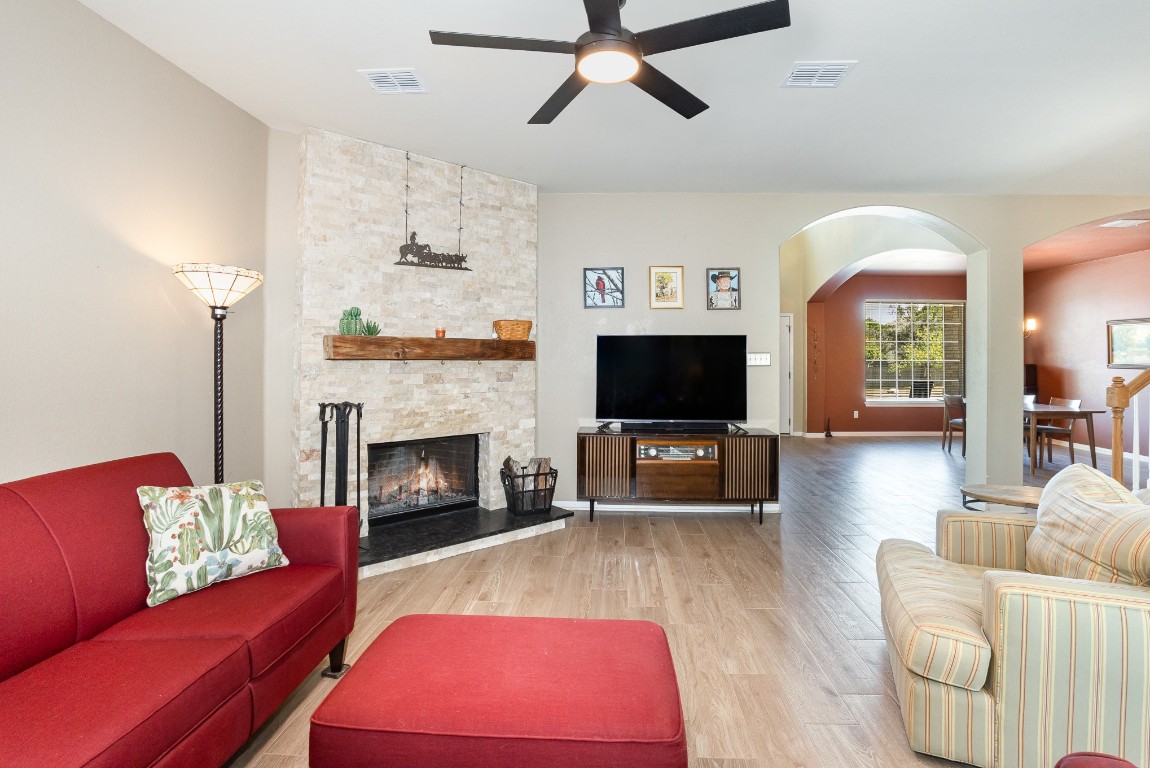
(199, 535)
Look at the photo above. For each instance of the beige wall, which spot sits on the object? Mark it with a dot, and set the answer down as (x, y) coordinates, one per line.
(279, 295)
(634, 232)
(747, 231)
(116, 166)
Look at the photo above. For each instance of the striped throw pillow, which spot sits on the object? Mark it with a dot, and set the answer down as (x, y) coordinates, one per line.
(1090, 527)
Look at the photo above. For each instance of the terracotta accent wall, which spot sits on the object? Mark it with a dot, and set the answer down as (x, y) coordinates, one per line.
(1072, 305)
(835, 390)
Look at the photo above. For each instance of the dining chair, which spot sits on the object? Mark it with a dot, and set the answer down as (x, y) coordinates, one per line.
(953, 417)
(1050, 429)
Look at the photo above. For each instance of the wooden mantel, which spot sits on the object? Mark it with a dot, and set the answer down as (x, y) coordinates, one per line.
(424, 348)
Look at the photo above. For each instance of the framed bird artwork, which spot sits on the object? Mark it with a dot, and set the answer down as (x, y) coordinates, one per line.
(602, 287)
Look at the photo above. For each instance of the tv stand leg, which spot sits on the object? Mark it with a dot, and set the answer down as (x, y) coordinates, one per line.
(592, 510)
(760, 511)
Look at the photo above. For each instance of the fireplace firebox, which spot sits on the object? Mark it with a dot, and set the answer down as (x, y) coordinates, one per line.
(415, 477)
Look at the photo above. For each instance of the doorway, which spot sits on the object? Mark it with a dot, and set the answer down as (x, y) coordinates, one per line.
(786, 374)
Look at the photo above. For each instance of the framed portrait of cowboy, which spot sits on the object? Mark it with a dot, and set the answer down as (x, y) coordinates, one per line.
(723, 288)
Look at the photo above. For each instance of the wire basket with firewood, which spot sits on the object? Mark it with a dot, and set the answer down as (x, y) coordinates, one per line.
(529, 487)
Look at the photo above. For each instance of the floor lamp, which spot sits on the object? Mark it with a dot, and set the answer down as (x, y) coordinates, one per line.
(219, 287)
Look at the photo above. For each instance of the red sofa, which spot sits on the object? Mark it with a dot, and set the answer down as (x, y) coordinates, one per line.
(89, 676)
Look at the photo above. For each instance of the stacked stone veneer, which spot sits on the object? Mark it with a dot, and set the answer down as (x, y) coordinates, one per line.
(353, 197)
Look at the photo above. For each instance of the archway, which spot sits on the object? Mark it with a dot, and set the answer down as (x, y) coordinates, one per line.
(827, 252)
(1075, 282)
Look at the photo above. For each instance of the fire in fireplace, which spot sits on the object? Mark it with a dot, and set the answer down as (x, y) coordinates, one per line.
(418, 476)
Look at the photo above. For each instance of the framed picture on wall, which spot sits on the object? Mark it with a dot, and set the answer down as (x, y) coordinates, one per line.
(1129, 343)
(602, 287)
(666, 287)
(723, 288)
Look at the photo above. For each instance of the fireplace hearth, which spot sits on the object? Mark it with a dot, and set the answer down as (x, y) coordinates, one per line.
(416, 477)
(423, 504)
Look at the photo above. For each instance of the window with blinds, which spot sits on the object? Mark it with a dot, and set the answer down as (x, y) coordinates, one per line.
(914, 349)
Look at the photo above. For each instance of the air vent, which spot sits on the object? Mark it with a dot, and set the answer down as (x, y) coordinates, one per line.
(818, 74)
(394, 80)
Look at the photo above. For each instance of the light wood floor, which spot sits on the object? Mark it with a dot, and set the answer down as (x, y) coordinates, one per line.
(775, 629)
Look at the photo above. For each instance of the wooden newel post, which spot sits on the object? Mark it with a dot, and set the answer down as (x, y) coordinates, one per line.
(1117, 400)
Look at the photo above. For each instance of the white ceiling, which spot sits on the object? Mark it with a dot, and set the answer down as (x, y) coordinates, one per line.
(915, 261)
(949, 96)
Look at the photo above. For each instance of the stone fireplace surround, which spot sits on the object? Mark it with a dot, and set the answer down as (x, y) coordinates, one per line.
(357, 201)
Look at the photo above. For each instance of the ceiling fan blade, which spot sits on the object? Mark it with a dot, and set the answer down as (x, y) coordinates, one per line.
(603, 16)
(668, 91)
(494, 41)
(760, 17)
(560, 99)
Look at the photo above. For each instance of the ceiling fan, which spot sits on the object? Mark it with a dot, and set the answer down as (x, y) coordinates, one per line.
(611, 53)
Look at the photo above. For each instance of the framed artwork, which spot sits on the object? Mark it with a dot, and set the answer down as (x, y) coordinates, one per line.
(602, 287)
(723, 288)
(666, 287)
(1128, 343)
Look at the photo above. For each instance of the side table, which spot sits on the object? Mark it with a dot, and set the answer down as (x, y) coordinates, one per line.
(1011, 495)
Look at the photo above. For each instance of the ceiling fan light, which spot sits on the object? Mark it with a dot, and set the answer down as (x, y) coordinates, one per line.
(608, 62)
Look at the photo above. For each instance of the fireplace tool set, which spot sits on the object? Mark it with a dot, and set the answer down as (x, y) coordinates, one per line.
(341, 412)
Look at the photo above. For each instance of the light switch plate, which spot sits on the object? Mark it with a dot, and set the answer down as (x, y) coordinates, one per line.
(758, 358)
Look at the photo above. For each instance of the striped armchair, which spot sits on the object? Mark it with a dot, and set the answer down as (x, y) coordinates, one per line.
(1026, 637)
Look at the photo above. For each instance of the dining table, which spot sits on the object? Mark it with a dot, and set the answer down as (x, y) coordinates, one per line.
(1035, 412)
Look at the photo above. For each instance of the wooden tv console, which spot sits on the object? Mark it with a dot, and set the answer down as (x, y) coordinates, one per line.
(660, 466)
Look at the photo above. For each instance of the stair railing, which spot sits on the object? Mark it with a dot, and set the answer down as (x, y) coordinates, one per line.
(1121, 395)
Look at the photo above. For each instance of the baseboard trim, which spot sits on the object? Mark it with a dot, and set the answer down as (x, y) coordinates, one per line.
(1084, 450)
(874, 434)
(583, 506)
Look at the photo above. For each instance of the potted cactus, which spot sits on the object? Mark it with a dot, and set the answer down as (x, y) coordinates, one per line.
(351, 323)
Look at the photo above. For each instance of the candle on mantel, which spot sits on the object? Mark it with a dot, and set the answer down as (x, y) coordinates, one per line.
(440, 333)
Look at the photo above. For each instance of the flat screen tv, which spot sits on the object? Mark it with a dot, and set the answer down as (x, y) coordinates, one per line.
(671, 382)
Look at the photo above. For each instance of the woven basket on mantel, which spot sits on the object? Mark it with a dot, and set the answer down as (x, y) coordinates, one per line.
(514, 330)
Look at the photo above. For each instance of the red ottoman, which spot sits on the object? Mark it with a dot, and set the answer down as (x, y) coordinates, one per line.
(480, 691)
(1092, 760)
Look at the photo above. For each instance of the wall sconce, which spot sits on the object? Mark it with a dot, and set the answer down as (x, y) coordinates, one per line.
(1030, 327)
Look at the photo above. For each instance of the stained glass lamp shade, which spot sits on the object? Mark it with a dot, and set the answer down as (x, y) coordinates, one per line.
(219, 287)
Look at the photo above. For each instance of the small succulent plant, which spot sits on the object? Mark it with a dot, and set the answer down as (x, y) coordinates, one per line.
(370, 328)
